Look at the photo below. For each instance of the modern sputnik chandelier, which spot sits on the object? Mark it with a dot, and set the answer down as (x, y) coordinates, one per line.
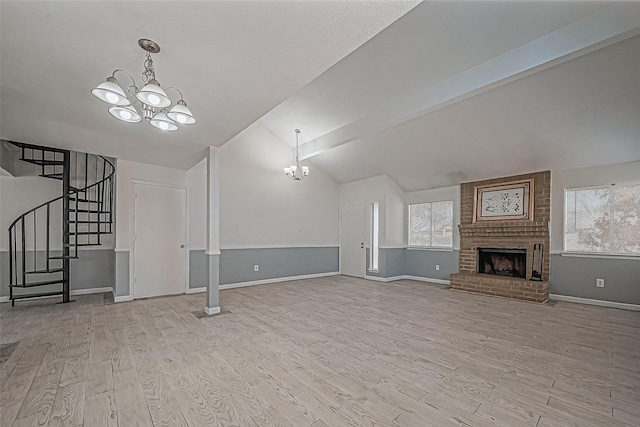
(296, 172)
(151, 101)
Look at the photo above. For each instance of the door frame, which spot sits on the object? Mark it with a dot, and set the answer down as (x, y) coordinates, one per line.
(132, 231)
(366, 243)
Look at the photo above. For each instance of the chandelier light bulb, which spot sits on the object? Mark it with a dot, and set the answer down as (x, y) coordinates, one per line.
(152, 94)
(126, 114)
(162, 122)
(181, 113)
(111, 97)
(111, 93)
(153, 99)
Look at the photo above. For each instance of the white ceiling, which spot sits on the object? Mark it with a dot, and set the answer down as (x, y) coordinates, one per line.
(233, 60)
(449, 92)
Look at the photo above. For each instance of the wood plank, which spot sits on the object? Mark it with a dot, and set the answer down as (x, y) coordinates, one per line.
(39, 400)
(68, 408)
(100, 410)
(128, 391)
(163, 406)
(136, 415)
(194, 407)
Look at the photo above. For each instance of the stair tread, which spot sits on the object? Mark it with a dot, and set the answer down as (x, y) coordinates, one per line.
(85, 233)
(69, 245)
(92, 221)
(51, 270)
(42, 283)
(88, 211)
(46, 162)
(83, 200)
(64, 257)
(43, 294)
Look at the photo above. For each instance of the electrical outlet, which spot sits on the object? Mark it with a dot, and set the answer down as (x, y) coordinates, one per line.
(600, 283)
(437, 267)
(256, 267)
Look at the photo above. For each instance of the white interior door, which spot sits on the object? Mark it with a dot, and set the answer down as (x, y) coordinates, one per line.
(160, 241)
(353, 230)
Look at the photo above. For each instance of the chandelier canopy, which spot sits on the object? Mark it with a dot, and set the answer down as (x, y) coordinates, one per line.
(296, 172)
(151, 102)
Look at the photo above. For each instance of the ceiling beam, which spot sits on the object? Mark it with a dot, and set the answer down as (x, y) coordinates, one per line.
(609, 25)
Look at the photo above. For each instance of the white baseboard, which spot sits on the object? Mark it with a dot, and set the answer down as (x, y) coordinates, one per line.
(122, 298)
(407, 277)
(92, 291)
(277, 280)
(196, 290)
(427, 279)
(212, 310)
(72, 293)
(384, 279)
(599, 302)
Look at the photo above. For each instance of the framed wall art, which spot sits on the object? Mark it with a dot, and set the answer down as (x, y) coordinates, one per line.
(508, 201)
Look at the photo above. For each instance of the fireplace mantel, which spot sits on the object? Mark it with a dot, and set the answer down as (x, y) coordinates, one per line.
(505, 229)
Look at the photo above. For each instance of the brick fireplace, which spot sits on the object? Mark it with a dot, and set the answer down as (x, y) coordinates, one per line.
(497, 253)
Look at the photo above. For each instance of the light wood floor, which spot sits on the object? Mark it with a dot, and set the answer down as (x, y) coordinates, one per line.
(334, 352)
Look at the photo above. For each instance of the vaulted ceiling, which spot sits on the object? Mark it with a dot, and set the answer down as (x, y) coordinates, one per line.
(431, 95)
(233, 60)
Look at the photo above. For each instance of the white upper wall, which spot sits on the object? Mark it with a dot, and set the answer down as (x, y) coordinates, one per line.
(586, 177)
(395, 233)
(261, 207)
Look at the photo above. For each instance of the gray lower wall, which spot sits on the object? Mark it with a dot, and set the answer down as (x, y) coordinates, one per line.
(122, 273)
(236, 265)
(198, 269)
(423, 262)
(94, 269)
(576, 277)
(393, 262)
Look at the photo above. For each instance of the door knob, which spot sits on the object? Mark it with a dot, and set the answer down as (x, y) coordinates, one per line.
(182, 246)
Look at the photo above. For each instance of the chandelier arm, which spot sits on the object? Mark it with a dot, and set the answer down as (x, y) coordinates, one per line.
(176, 89)
(133, 82)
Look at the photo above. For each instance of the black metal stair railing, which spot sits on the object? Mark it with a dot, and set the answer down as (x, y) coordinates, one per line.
(45, 238)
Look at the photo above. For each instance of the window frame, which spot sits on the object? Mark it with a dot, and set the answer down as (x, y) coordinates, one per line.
(374, 253)
(432, 246)
(612, 199)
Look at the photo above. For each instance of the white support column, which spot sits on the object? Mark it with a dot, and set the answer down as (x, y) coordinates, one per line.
(213, 232)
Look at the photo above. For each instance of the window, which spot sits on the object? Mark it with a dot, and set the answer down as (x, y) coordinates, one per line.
(431, 224)
(375, 227)
(588, 224)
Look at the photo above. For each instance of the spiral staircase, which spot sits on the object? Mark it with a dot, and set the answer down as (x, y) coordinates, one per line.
(44, 239)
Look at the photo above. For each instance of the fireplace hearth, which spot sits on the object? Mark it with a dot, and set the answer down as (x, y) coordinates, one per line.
(502, 262)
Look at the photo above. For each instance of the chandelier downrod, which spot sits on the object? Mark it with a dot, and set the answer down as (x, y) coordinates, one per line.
(296, 172)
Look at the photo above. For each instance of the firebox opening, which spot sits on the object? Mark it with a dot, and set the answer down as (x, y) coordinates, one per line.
(503, 262)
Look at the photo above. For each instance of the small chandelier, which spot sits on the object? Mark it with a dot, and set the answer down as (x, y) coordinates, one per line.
(151, 101)
(296, 172)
